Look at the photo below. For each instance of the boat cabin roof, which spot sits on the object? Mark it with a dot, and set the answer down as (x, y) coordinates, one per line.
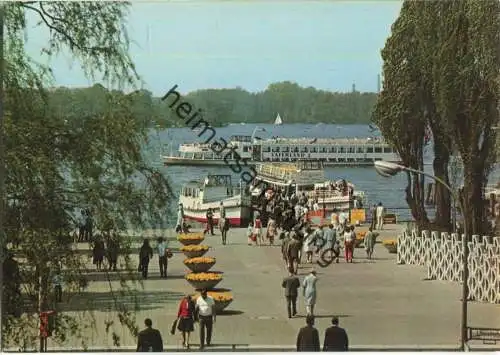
(210, 181)
(327, 141)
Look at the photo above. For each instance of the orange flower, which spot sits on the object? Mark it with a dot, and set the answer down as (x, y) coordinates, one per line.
(218, 296)
(194, 248)
(200, 260)
(203, 276)
(191, 236)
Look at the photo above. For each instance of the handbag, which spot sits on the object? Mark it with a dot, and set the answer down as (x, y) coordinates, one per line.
(168, 253)
(174, 326)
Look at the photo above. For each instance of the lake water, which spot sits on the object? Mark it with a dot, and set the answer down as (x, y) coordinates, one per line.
(389, 191)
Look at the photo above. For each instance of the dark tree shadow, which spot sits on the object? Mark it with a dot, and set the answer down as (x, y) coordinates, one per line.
(104, 301)
(96, 276)
(320, 316)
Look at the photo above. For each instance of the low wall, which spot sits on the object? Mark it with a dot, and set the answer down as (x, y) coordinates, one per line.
(441, 254)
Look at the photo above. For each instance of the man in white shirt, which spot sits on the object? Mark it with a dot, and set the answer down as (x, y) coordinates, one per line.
(380, 216)
(205, 307)
(162, 256)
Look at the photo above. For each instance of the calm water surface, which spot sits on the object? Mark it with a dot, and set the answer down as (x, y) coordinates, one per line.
(389, 191)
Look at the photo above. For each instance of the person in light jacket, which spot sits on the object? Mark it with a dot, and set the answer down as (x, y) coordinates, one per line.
(309, 285)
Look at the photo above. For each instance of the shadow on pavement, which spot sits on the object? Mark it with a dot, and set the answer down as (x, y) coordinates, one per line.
(326, 316)
(108, 301)
(230, 313)
(96, 276)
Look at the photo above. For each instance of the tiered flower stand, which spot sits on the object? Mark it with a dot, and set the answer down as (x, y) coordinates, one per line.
(200, 277)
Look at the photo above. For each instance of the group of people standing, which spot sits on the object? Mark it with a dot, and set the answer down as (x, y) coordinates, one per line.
(106, 245)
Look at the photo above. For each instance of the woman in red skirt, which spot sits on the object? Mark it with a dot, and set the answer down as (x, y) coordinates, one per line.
(185, 319)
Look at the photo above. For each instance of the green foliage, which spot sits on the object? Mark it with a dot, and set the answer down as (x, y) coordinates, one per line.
(399, 110)
(295, 104)
(452, 50)
(66, 152)
(222, 106)
(466, 91)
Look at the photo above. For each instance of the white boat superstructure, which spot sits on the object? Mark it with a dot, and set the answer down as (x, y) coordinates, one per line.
(308, 178)
(197, 197)
(331, 151)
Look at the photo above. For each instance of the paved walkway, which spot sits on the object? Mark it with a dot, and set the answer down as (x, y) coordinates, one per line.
(379, 303)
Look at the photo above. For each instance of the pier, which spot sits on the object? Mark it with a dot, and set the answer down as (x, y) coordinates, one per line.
(382, 306)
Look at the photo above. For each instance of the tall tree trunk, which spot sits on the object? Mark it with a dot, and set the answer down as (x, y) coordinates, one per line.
(474, 215)
(415, 201)
(443, 198)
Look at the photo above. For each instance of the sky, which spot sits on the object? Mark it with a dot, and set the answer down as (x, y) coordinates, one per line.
(329, 45)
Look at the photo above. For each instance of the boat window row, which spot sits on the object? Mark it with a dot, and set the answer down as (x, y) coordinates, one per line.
(335, 149)
(191, 192)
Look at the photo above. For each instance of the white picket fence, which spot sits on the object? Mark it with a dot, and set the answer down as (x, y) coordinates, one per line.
(441, 254)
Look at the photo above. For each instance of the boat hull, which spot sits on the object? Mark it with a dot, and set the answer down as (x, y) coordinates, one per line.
(237, 216)
(171, 161)
(238, 210)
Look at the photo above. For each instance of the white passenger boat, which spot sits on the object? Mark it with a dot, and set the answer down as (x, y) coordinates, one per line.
(198, 197)
(331, 151)
(307, 177)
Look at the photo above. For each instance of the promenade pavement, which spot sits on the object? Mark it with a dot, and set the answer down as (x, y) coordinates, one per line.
(380, 303)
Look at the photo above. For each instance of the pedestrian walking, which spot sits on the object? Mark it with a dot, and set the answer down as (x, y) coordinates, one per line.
(373, 224)
(335, 337)
(309, 285)
(380, 216)
(145, 255)
(206, 313)
(308, 246)
(149, 339)
(222, 214)
(348, 244)
(293, 248)
(308, 337)
(179, 226)
(98, 253)
(291, 284)
(210, 222)
(369, 242)
(58, 285)
(224, 228)
(113, 249)
(162, 256)
(250, 235)
(185, 319)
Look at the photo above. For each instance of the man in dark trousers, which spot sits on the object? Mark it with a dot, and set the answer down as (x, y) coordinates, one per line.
(205, 308)
(308, 337)
(335, 337)
(291, 284)
(149, 339)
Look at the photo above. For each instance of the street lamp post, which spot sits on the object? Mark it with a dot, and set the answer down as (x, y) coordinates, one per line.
(388, 169)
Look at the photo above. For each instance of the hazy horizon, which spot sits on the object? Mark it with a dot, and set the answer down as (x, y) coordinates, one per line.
(216, 45)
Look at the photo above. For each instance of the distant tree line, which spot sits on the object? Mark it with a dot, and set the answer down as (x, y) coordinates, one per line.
(294, 103)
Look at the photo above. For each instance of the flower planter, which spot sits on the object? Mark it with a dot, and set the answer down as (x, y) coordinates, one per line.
(190, 238)
(201, 281)
(200, 264)
(391, 246)
(194, 251)
(222, 298)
